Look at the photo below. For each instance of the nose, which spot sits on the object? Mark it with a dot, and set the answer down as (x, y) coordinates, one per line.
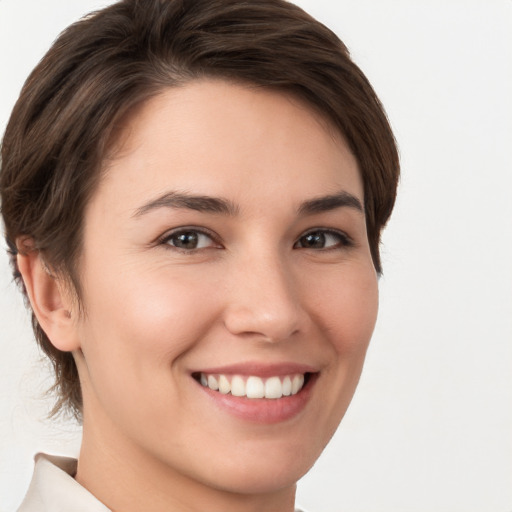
(264, 301)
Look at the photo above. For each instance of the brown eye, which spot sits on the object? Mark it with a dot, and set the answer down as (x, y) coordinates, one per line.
(189, 240)
(322, 239)
(313, 241)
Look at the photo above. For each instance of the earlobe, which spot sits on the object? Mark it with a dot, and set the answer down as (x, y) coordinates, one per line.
(49, 300)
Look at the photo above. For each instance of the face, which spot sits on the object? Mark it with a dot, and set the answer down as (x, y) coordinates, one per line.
(228, 286)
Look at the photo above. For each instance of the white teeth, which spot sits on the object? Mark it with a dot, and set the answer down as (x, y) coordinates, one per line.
(254, 387)
(273, 388)
(212, 382)
(224, 385)
(287, 386)
(297, 383)
(237, 386)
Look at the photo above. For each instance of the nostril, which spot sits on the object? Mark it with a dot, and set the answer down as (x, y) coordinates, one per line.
(263, 321)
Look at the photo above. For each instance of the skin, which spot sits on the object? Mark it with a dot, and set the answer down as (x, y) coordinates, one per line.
(254, 291)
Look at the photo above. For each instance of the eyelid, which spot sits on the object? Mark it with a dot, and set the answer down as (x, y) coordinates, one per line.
(346, 241)
(163, 239)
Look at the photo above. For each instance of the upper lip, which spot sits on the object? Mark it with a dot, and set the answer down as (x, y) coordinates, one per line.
(259, 369)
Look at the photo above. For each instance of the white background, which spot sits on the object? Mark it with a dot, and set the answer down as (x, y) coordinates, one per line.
(430, 428)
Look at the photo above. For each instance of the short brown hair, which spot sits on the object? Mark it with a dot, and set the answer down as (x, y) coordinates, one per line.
(108, 62)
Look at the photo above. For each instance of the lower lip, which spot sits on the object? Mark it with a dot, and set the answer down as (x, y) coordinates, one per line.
(263, 410)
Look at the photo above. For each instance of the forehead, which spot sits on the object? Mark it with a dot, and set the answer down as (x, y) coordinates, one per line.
(221, 138)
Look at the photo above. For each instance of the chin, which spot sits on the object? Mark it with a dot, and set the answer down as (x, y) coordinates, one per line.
(267, 469)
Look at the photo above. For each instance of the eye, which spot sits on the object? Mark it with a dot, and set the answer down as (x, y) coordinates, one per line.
(323, 239)
(189, 239)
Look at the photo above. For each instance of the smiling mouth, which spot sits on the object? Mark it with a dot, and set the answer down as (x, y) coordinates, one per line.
(253, 387)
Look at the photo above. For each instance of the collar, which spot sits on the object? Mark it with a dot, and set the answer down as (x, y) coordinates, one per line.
(53, 488)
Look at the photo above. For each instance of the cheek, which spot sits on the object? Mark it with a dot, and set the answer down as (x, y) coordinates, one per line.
(141, 323)
(348, 306)
(164, 317)
(140, 326)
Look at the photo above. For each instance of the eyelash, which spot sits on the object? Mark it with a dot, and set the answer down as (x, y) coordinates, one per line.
(166, 239)
(344, 241)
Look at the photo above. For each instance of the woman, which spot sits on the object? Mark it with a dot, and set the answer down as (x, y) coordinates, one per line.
(193, 194)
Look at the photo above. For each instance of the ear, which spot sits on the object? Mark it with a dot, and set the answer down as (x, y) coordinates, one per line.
(50, 299)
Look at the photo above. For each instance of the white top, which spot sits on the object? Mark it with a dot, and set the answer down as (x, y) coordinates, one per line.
(53, 488)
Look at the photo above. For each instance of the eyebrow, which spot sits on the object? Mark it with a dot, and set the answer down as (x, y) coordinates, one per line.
(223, 206)
(331, 202)
(192, 202)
